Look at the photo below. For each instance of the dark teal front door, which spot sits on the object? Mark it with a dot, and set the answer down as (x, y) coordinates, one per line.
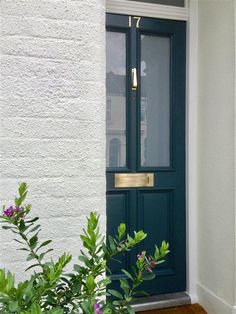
(146, 136)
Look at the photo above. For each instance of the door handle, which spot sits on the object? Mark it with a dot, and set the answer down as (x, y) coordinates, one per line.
(134, 180)
(134, 79)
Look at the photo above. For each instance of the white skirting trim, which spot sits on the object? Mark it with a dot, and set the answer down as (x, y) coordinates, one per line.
(234, 309)
(212, 303)
(193, 298)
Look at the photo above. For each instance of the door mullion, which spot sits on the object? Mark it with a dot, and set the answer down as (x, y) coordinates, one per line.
(133, 132)
(133, 99)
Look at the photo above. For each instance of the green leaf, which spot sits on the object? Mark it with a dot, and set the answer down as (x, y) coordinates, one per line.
(30, 257)
(84, 259)
(140, 293)
(112, 243)
(125, 286)
(6, 227)
(41, 256)
(164, 249)
(124, 283)
(121, 230)
(127, 274)
(35, 228)
(20, 200)
(33, 240)
(85, 306)
(22, 188)
(86, 242)
(107, 311)
(51, 299)
(10, 281)
(23, 249)
(115, 294)
(90, 283)
(76, 286)
(55, 311)
(22, 192)
(157, 253)
(35, 309)
(105, 250)
(32, 220)
(139, 236)
(77, 268)
(148, 276)
(106, 281)
(22, 225)
(45, 243)
(19, 241)
(32, 266)
(130, 309)
(13, 306)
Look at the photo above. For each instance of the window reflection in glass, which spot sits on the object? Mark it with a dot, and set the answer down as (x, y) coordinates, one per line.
(155, 101)
(114, 152)
(116, 99)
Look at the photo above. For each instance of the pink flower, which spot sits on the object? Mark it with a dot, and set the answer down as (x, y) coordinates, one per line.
(8, 212)
(19, 209)
(141, 256)
(97, 309)
(151, 265)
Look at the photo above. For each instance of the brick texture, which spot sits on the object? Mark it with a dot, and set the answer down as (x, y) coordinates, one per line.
(53, 116)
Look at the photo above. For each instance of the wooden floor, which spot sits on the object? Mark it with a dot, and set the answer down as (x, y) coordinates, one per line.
(187, 309)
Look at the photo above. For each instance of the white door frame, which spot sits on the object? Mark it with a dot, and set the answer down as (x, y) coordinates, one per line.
(189, 13)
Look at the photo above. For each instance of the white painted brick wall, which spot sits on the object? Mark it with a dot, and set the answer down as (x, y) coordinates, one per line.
(53, 116)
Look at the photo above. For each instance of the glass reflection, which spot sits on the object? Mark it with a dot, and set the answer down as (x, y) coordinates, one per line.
(155, 101)
(116, 99)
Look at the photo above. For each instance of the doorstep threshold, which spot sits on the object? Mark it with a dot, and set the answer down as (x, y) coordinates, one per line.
(161, 301)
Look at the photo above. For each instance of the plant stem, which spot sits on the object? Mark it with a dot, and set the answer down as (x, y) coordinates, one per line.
(23, 236)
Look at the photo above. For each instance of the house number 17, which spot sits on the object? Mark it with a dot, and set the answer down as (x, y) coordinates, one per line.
(137, 18)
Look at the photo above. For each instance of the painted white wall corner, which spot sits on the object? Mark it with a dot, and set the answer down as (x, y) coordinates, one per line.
(192, 149)
(216, 156)
(214, 304)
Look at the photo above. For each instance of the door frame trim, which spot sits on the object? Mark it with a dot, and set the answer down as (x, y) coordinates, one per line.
(192, 151)
(189, 14)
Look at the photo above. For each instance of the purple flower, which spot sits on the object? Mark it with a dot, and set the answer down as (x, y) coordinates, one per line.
(151, 265)
(141, 256)
(8, 212)
(18, 209)
(97, 309)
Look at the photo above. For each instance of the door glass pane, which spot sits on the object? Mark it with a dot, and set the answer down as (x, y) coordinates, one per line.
(177, 3)
(155, 101)
(116, 99)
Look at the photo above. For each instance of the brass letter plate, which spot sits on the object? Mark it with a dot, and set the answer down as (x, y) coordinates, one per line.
(134, 180)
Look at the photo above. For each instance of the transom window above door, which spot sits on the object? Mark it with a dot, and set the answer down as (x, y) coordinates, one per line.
(176, 3)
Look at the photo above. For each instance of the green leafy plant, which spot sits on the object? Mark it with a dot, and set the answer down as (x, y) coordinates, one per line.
(52, 290)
